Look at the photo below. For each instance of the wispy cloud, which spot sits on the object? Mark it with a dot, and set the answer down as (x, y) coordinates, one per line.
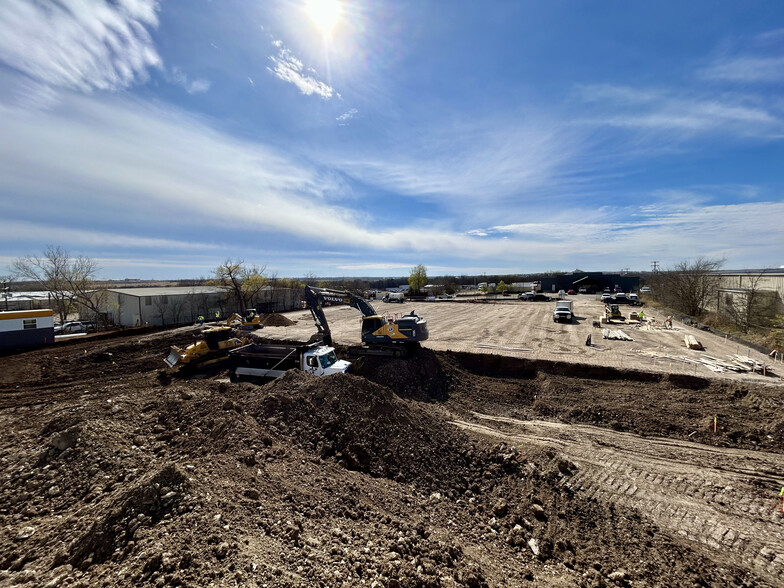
(471, 164)
(197, 86)
(21, 231)
(746, 69)
(689, 112)
(759, 59)
(347, 116)
(78, 45)
(290, 69)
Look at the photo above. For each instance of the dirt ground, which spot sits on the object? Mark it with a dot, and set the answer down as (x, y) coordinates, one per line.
(526, 329)
(468, 467)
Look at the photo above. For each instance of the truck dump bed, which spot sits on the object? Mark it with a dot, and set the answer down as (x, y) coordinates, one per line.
(263, 360)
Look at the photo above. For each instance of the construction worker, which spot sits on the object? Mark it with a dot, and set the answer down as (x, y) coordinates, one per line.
(641, 316)
(201, 319)
(668, 322)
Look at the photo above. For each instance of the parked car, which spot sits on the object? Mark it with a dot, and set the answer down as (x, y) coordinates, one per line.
(583, 290)
(534, 297)
(645, 290)
(571, 292)
(70, 328)
(617, 289)
(606, 296)
(621, 298)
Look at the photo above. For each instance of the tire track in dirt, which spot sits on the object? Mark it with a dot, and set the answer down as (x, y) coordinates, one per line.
(722, 501)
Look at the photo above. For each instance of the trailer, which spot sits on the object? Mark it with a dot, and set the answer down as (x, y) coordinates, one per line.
(26, 328)
(262, 360)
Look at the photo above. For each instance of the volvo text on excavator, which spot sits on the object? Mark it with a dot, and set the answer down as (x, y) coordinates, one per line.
(391, 337)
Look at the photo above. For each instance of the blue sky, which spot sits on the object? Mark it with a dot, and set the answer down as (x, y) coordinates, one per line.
(362, 138)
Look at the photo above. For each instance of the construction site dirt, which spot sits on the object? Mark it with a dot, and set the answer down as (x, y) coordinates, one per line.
(460, 466)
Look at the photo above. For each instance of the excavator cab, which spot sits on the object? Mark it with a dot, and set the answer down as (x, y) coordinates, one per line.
(370, 324)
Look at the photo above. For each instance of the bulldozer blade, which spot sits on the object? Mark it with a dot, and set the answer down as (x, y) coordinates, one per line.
(173, 357)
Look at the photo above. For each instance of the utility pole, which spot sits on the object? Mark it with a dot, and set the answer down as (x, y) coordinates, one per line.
(6, 293)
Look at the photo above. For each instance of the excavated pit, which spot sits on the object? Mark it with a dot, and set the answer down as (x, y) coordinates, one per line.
(386, 475)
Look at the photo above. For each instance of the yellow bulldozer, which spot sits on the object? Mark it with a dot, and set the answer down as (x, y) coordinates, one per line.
(251, 320)
(214, 346)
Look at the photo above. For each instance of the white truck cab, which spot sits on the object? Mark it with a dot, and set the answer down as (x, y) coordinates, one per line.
(323, 361)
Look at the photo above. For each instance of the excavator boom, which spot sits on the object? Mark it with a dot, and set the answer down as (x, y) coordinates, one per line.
(379, 335)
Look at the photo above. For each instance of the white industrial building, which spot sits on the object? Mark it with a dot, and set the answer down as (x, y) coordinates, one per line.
(130, 307)
(173, 305)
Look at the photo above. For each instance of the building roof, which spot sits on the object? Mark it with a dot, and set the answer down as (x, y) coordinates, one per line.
(744, 272)
(167, 290)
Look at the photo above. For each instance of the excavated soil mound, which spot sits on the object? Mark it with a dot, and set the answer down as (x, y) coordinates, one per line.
(365, 427)
(276, 320)
(420, 376)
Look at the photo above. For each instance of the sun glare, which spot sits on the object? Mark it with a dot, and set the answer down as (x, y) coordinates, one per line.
(324, 13)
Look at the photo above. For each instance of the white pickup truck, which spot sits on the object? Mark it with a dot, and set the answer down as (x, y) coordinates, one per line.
(563, 311)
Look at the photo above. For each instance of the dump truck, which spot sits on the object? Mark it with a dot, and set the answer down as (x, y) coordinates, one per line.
(261, 360)
(213, 346)
(563, 311)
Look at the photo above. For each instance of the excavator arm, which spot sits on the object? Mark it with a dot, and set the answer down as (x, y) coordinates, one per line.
(316, 297)
(379, 335)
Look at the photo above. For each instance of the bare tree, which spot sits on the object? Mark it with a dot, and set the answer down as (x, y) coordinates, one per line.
(749, 306)
(69, 281)
(689, 286)
(161, 304)
(176, 308)
(243, 282)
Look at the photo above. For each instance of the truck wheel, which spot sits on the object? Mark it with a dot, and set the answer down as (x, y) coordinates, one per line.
(397, 353)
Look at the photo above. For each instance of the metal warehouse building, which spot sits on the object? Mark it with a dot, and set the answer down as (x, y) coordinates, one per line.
(130, 307)
(26, 328)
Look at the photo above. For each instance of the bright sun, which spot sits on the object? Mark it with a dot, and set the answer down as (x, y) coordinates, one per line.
(324, 13)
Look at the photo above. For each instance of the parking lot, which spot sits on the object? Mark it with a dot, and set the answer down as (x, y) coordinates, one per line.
(526, 329)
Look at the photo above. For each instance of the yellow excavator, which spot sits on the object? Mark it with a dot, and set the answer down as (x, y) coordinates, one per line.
(212, 348)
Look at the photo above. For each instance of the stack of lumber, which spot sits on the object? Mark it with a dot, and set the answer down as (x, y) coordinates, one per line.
(739, 364)
(715, 364)
(616, 335)
(748, 362)
(692, 343)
